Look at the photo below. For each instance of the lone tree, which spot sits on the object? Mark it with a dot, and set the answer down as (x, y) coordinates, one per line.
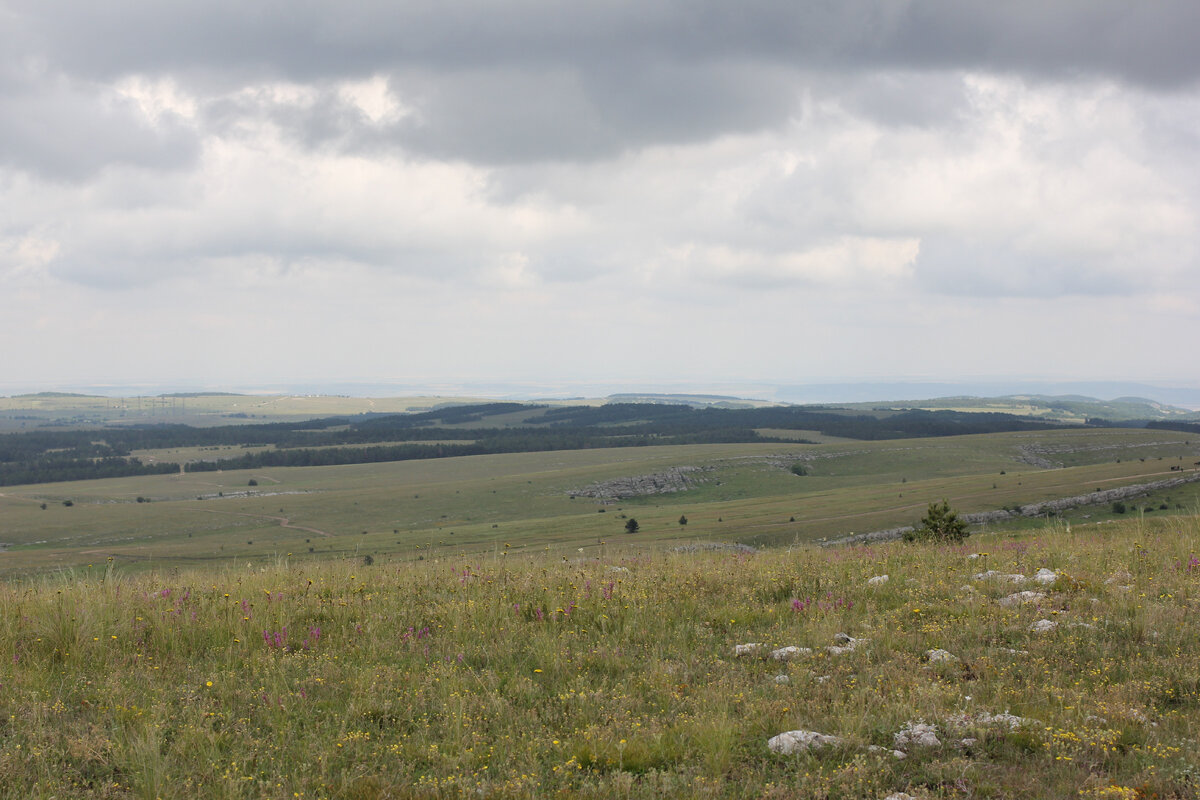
(631, 526)
(682, 519)
(940, 524)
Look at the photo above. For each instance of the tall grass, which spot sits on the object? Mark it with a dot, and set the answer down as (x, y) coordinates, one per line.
(615, 677)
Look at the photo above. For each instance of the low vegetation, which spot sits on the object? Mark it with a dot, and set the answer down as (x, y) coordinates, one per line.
(614, 675)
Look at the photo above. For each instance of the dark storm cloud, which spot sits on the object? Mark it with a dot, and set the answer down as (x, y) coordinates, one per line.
(523, 81)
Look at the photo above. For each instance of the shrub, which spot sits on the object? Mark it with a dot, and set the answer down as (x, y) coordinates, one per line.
(799, 469)
(631, 526)
(940, 524)
(1118, 507)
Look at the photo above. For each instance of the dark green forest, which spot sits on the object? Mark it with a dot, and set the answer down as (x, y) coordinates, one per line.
(47, 456)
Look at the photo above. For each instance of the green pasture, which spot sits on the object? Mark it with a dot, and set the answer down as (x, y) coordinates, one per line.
(532, 502)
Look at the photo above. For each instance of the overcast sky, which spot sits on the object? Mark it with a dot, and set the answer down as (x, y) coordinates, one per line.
(647, 193)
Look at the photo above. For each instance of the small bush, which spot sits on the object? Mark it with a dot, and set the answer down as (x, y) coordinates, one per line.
(940, 524)
(799, 469)
(1118, 507)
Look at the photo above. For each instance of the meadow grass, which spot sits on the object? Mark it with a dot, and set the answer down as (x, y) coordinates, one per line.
(613, 675)
(411, 509)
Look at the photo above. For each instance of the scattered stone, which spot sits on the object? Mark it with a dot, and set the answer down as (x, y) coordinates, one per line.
(751, 649)
(877, 580)
(1045, 576)
(899, 795)
(1087, 625)
(791, 742)
(845, 644)
(896, 754)
(1043, 626)
(962, 722)
(917, 734)
(969, 741)
(790, 653)
(782, 680)
(618, 569)
(1022, 598)
(991, 574)
(823, 678)
(674, 479)
(940, 656)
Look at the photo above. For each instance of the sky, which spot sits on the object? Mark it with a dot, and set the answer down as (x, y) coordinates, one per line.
(640, 194)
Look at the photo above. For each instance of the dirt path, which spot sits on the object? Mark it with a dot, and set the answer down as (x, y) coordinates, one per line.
(283, 521)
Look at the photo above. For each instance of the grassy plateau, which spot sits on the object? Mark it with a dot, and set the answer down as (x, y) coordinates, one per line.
(614, 674)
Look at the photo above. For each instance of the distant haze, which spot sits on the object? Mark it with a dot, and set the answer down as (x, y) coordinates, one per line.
(632, 196)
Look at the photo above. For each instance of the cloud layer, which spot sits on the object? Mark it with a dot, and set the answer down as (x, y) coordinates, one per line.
(659, 191)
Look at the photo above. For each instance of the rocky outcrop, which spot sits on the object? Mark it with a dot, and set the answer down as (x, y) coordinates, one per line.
(675, 479)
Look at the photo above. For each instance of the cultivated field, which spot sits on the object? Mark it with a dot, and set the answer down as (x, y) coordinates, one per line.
(613, 673)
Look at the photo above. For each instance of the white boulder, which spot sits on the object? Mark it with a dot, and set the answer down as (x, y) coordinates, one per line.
(790, 653)
(1045, 576)
(791, 742)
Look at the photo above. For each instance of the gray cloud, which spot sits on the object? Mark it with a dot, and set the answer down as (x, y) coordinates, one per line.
(524, 81)
(66, 131)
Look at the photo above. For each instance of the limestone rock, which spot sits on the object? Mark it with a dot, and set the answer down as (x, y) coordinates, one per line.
(1045, 576)
(878, 580)
(751, 649)
(1043, 626)
(940, 656)
(791, 742)
(790, 653)
(782, 680)
(917, 734)
(1021, 598)
(845, 644)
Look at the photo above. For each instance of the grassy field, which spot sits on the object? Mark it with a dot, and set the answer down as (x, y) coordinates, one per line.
(448, 508)
(613, 673)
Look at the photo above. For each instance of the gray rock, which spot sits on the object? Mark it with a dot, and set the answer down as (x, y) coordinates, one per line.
(1022, 598)
(916, 734)
(1045, 576)
(790, 653)
(751, 649)
(791, 742)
